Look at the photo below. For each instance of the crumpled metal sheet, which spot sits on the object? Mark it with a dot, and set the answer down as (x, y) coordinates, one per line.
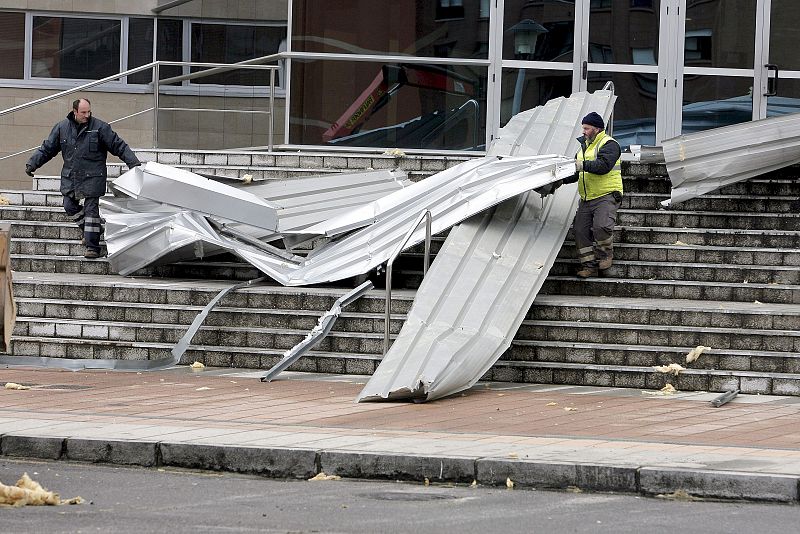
(487, 275)
(372, 232)
(705, 161)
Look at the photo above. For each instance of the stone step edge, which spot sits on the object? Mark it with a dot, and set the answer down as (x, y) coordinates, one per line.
(371, 316)
(559, 260)
(679, 351)
(377, 357)
(396, 318)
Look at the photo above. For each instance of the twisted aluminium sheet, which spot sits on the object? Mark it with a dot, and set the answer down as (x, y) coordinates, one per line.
(487, 275)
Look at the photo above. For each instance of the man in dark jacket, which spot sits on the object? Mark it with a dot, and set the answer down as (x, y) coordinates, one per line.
(84, 142)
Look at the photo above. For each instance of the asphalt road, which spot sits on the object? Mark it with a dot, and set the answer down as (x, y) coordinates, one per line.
(150, 500)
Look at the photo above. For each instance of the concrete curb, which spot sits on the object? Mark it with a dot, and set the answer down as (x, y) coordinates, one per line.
(301, 463)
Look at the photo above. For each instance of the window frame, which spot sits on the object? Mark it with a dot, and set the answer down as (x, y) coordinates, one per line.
(187, 87)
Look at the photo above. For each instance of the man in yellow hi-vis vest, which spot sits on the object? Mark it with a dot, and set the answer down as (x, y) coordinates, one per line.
(600, 187)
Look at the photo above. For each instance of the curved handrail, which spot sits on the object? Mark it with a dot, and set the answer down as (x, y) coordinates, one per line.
(428, 220)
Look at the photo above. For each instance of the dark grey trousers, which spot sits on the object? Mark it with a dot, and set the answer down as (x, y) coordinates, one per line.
(594, 228)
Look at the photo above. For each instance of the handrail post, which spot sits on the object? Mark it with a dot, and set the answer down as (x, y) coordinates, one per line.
(271, 107)
(390, 262)
(156, 89)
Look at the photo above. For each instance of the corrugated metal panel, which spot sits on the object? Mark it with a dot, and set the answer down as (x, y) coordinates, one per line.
(375, 230)
(702, 162)
(490, 269)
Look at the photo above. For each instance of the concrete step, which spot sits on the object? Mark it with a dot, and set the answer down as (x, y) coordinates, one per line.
(709, 219)
(224, 356)
(671, 289)
(776, 183)
(687, 272)
(721, 203)
(629, 376)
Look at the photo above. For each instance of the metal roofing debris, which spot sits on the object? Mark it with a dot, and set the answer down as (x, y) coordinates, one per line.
(316, 335)
(356, 241)
(487, 275)
(702, 162)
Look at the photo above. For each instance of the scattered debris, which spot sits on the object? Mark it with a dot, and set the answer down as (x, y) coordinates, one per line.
(197, 366)
(679, 495)
(551, 404)
(574, 489)
(509, 483)
(570, 409)
(322, 476)
(669, 389)
(724, 398)
(14, 385)
(513, 455)
(680, 243)
(204, 388)
(696, 352)
(474, 484)
(30, 492)
(427, 481)
(4, 201)
(396, 152)
(247, 178)
(501, 394)
(673, 368)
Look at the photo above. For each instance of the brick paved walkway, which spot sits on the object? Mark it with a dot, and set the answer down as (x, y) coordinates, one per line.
(600, 426)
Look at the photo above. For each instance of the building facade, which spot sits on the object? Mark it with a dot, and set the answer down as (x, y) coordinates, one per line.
(433, 74)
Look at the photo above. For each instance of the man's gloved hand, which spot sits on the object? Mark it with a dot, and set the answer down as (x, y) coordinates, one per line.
(549, 189)
(579, 165)
(29, 170)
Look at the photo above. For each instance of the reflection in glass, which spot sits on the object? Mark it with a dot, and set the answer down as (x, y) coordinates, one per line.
(140, 47)
(12, 44)
(557, 17)
(438, 28)
(785, 34)
(624, 32)
(714, 101)
(75, 48)
(720, 34)
(527, 88)
(635, 110)
(388, 105)
(228, 43)
(788, 99)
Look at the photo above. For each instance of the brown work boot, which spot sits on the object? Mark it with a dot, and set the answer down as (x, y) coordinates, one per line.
(91, 254)
(587, 271)
(605, 263)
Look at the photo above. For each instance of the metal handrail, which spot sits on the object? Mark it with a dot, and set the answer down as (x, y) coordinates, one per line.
(213, 68)
(428, 219)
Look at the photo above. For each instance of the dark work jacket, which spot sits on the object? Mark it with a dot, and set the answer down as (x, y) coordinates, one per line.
(84, 171)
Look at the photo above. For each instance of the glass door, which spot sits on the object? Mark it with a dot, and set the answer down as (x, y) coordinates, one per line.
(621, 44)
(778, 71)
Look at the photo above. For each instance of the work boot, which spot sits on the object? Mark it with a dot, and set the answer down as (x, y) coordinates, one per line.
(587, 271)
(91, 254)
(605, 263)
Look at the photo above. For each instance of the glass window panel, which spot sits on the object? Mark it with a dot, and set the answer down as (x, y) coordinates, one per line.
(65, 47)
(720, 34)
(635, 111)
(140, 47)
(425, 29)
(223, 43)
(714, 101)
(788, 99)
(527, 88)
(617, 31)
(12, 45)
(555, 16)
(371, 104)
(784, 34)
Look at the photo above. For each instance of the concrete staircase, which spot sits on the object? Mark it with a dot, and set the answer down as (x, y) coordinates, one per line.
(722, 271)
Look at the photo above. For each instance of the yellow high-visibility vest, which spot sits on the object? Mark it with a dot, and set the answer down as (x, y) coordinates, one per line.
(590, 185)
